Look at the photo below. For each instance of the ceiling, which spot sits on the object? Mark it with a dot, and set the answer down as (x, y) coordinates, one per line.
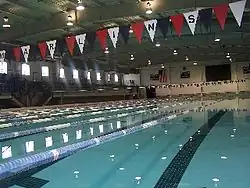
(36, 20)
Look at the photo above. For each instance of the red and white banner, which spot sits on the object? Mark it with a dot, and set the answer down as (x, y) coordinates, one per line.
(191, 18)
(43, 48)
(151, 28)
(113, 34)
(26, 52)
(102, 36)
(52, 47)
(2, 55)
(70, 41)
(80, 40)
(138, 30)
(221, 14)
(237, 9)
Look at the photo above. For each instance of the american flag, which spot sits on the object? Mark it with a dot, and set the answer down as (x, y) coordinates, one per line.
(163, 75)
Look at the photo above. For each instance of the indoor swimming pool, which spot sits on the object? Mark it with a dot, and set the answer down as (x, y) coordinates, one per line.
(145, 143)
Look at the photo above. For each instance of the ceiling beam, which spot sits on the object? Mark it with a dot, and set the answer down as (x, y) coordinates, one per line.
(104, 13)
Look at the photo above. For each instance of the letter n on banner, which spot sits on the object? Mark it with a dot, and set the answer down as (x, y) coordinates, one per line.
(151, 28)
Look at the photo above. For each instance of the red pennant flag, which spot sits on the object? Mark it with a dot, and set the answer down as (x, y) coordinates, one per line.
(102, 36)
(138, 30)
(71, 43)
(221, 14)
(43, 48)
(17, 53)
(178, 21)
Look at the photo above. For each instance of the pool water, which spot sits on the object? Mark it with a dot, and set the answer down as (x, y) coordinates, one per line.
(205, 148)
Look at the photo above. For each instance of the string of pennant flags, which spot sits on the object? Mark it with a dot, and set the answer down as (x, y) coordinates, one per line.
(205, 16)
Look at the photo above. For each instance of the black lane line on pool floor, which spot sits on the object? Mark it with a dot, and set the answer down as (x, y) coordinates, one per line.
(172, 175)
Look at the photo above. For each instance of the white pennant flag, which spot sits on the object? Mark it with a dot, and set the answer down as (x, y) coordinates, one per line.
(237, 9)
(191, 18)
(80, 39)
(151, 28)
(52, 47)
(26, 52)
(2, 55)
(113, 34)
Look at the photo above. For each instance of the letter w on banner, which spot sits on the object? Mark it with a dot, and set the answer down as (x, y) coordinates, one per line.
(26, 52)
(2, 55)
(151, 28)
(191, 18)
(113, 34)
(51, 47)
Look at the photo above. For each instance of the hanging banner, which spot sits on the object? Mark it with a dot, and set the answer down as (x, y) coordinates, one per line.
(17, 53)
(138, 30)
(70, 41)
(124, 30)
(113, 34)
(91, 37)
(237, 9)
(2, 55)
(26, 52)
(43, 48)
(163, 24)
(206, 17)
(80, 40)
(221, 14)
(177, 21)
(102, 36)
(151, 28)
(51, 47)
(191, 18)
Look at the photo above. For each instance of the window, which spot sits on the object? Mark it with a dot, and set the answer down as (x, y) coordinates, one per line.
(45, 71)
(65, 137)
(75, 74)
(118, 123)
(29, 146)
(98, 76)
(91, 131)
(61, 73)
(3, 68)
(101, 128)
(108, 77)
(6, 152)
(25, 69)
(88, 75)
(48, 141)
(116, 78)
(78, 134)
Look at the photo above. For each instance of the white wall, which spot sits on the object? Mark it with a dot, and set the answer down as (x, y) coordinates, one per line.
(197, 75)
(129, 79)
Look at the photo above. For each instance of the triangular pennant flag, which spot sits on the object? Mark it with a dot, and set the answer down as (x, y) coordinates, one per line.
(91, 37)
(26, 52)
(206, 17)
(237, 9)
(70, 41)
(177, 21)
(102, 36)
(43, 48)
(163, 24)
(80, 40)
(221, 14)
(113, 34)
(51, 47)
(191, 18)
(17, 53)
(138, 30)
(2, 55)
(124, 30)
(151, 28)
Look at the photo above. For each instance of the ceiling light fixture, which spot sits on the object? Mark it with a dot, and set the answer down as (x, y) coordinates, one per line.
(230, 60)
(130, 30)
(228, 56)
(132, 57)
(80, 5)
(217, 40)
(6, 22)
(149, 62)
(69, 22)
(162, 66)
(157, 44)
(195, 63)
(187, 58)
(106, 51)
(148, 8)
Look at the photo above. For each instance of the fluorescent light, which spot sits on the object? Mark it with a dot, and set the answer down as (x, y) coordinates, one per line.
(195, 63)
(217, 40)
(157, 44)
